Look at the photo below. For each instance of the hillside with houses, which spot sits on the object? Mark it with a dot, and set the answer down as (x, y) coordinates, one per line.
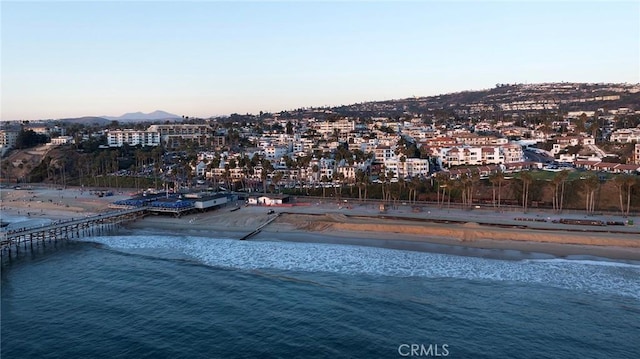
(392, 150)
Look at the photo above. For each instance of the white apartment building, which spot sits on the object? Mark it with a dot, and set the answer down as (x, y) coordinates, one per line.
(512, 153)
(422, 133)
(342, 126)
(410, 167)
(384, 153)
(61, 140)
(349, 172)
(275, 152)
(478, 156)
(626, 135)
(636, 154)
(567, 141)
(175, 133)
(117, 138)
(475, 140)
(8, 139)
(326, 167)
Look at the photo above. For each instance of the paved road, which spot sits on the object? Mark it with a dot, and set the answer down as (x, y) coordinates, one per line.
(534, 156)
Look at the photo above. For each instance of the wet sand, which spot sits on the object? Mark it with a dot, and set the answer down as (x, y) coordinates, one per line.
(461, 239)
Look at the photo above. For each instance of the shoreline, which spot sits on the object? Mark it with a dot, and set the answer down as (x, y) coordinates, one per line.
(435, 239)
(460, 232)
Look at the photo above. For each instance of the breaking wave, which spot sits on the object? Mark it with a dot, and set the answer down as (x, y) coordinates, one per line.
(609, 277)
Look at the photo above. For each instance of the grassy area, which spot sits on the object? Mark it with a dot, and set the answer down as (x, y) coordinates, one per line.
(540, 175)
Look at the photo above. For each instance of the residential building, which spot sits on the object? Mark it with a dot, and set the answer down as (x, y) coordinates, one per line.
(8, 138)
(61, 140)
(117, 138)
(626, 135)
(478, 156)
(384, 153)
(275, 152)
(174, 134)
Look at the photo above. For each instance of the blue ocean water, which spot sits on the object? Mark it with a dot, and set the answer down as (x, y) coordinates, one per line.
(146, 295)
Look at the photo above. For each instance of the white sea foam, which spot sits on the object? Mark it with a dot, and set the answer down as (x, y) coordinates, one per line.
(605, 263)
(18, 221)
(588, 275)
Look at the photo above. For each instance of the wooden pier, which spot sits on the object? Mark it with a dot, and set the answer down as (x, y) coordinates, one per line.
(14, 239)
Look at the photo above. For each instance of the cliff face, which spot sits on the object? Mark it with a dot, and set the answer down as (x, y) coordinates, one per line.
(17, 166)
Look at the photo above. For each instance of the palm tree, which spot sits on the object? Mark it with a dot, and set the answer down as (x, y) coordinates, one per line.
(624, 184)
(553, 183)
(591, 183)
(563, 179)
(277, 177)
(526, 182)
(389, 177)
(360, 181)
(497, 178)
(339, 178)
(315, 169)
(266, 169)
(459, 185)
(449, 184)
(325, 179)
(630, 181)
(413, 188)
(382, 177)
(442, 180)
(473, 179)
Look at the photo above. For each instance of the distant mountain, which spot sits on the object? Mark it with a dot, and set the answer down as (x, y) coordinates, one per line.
(139, 116)
(87, 121)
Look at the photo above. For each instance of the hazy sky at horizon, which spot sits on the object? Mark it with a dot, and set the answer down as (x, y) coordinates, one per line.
(205, 58)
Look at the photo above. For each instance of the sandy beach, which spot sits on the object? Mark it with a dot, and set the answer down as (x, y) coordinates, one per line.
(362, 225)
(466, 232)
(53, 203)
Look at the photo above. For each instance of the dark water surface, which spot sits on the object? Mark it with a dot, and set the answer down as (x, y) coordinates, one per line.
(143, 296)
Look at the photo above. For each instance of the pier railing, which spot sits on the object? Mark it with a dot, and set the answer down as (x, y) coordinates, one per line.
(73, 228)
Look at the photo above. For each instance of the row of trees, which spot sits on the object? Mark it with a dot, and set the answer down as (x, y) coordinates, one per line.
(590, 184)
(463, 190)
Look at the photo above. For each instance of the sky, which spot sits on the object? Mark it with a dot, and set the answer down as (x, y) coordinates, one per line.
(209, 58)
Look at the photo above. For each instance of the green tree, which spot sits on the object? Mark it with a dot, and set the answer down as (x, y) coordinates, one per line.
(29, 139)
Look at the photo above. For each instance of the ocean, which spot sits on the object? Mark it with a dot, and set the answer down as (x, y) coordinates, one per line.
(144, 295)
